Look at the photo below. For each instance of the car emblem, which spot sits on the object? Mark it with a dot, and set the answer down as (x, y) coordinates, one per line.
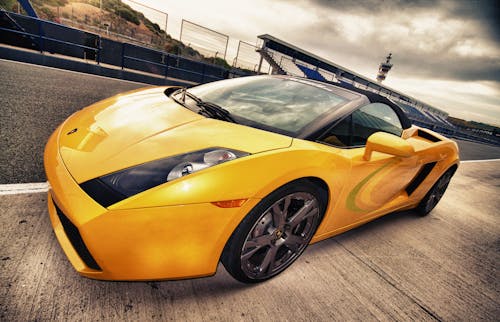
(72, 131)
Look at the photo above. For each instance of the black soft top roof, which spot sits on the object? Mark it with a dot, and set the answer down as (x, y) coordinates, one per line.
(377, 98)
(318, 128)
(372, 97)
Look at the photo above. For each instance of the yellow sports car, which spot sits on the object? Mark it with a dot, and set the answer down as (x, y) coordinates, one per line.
(165, 182)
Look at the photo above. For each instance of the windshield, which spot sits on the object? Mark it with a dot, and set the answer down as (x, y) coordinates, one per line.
(285, 104)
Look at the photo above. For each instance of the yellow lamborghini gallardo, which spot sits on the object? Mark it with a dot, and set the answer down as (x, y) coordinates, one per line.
(165, 182)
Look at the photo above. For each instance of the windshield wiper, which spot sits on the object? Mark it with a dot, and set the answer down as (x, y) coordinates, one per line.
(215, 111)
(208, 109)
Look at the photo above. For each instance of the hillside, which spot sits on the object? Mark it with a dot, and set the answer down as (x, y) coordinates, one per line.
(116, 21)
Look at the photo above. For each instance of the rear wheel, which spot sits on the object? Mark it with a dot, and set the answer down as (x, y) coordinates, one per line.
(275, 233)
(432, 198)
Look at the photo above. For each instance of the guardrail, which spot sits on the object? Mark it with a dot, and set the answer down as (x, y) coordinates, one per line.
(46, 36)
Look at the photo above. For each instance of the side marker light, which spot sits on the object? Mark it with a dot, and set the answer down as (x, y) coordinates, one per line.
(230, 203)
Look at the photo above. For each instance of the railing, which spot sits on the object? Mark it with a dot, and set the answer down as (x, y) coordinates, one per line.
(45, 36)
(272, 60)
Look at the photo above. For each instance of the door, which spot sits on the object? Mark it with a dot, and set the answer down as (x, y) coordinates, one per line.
(376, 184)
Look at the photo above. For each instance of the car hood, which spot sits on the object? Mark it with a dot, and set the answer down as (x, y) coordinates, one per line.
(141, 126)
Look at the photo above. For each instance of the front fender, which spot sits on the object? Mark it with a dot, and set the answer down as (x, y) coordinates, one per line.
(254, 176)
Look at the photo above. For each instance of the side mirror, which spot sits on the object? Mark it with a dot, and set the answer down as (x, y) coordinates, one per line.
(387, 143)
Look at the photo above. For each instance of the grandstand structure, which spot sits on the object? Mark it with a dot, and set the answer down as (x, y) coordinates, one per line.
(287, 59)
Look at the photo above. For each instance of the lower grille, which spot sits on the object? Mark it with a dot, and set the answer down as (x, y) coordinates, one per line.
(76, 240)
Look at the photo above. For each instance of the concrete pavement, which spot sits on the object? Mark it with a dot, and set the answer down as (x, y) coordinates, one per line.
(400, 267)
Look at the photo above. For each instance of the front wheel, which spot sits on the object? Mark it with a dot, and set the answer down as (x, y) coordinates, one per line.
(275, 233)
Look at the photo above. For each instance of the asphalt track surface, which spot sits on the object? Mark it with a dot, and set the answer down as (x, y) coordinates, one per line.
(34, 100)
(402, 267)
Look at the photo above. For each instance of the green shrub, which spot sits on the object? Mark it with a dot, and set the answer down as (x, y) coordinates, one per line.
(9, 5)
(95, 3)
(173, 49)
(128, 15)
(221, 62)
(48, 13)
(153, 27)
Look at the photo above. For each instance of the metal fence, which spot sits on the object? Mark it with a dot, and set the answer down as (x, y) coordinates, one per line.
(208, 42)
(44, 36)
(136, 23)
(247, 57)
(100, 16)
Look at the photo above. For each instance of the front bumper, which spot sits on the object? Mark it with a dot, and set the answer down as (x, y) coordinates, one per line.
(170, 242)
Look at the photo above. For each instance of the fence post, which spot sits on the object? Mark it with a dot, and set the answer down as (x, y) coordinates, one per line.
(235, 60)
(166, 65)
(182, 27)
(98, 56)
(40, 36)
(225, 49)
(166, 22)
(123, 55)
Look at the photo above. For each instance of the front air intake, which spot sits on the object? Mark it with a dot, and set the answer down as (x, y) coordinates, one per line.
(76, 240)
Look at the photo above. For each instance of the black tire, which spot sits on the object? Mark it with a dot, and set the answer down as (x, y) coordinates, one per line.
(437, 191)
(275, 232)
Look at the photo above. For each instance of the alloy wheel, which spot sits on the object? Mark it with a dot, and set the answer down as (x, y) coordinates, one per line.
(280, 235)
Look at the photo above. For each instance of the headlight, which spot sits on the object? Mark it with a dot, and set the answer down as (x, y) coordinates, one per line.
(208, 159)
(122, 184)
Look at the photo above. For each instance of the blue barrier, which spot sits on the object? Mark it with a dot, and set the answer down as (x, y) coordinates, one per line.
(28, 8)
(46, 36)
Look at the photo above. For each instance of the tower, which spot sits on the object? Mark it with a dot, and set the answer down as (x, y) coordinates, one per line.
(384, 68)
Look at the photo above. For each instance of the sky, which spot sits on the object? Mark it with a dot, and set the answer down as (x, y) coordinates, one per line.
(445, 53)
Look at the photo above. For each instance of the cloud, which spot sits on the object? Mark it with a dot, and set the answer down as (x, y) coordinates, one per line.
(487, 12)
(374, 6)
(425, 37)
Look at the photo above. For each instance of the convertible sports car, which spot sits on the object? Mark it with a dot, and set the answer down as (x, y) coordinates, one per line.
(165, 182)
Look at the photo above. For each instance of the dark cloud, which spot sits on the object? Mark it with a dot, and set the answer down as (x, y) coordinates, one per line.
(461, 69)
(439, 65)
(374, 5)
(485, 12)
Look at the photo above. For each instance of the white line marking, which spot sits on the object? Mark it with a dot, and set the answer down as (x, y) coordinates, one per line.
(20, 188)
(473, 161)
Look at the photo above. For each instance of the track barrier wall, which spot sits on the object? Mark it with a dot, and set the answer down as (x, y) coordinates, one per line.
(49, 37)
